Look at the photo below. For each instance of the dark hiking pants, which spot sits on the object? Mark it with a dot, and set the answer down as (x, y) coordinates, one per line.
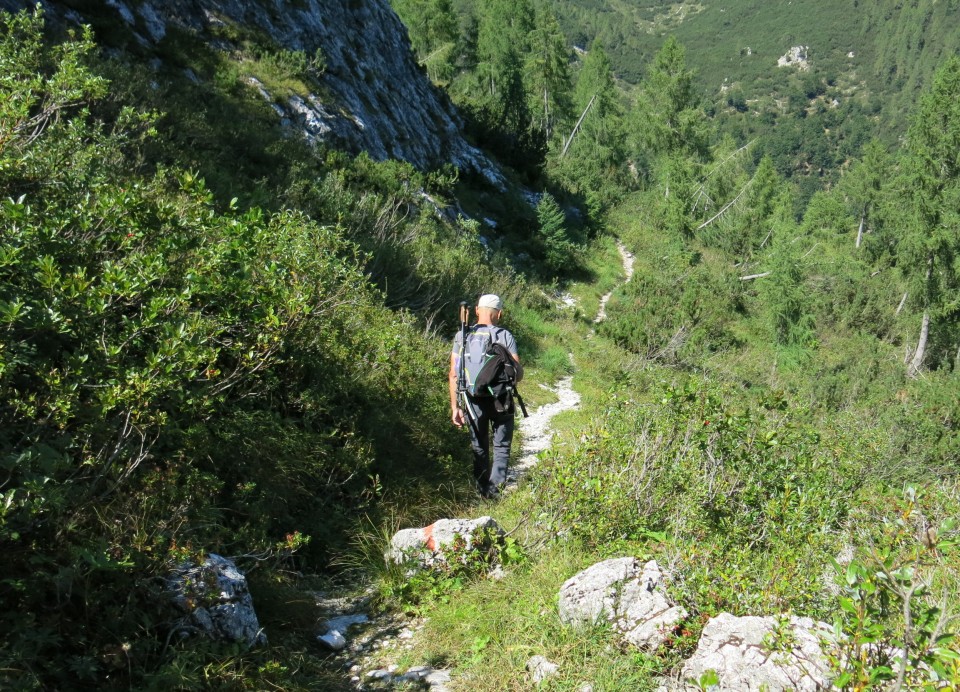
(490, 476)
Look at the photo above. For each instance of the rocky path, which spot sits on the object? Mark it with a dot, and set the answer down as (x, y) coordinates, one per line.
(397, 633)
(627, 257)
(387, 636)
(535, 430)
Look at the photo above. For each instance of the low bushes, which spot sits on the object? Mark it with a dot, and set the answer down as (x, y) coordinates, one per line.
(174, 378)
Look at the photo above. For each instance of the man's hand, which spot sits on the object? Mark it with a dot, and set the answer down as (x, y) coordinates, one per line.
(458, 418)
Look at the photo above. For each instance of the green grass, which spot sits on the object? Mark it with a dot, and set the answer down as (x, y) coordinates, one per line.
(491, 629)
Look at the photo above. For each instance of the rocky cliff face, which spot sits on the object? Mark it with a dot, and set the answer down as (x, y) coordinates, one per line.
(378, 99)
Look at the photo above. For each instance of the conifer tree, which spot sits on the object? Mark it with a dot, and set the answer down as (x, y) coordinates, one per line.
(596, 81)
(677, 180)
(746, 221)
(931, 245)
(548, 72)
(511, 101)
(432, 26)
(502, 34)
(668, 118)
(553, 232)
(865, 186)
(783, 292)
(596, 153)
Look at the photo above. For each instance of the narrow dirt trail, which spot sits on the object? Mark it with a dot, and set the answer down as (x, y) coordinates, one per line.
(535, 430)
(627, 257)
(366, 657)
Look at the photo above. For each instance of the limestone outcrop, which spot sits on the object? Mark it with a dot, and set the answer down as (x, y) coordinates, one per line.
(762, 653)
(375, 97)
(627, 595)
(795, 57)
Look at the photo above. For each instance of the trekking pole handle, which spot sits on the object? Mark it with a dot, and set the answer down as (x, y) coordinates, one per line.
(464, 312)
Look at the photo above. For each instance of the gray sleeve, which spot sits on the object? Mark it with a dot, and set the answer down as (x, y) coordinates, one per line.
(506, 338)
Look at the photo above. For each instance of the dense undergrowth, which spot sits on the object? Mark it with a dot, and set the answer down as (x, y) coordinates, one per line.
(217, 338)
(182, 372)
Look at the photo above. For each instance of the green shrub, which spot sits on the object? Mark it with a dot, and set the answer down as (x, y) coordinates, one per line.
(174, 379)
(676, 312)
(895, 616)
(696, 469)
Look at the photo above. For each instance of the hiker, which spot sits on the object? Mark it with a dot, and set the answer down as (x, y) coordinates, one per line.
(490, 474)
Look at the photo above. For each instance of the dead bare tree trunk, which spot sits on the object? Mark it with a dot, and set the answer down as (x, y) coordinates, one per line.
(903, 301)
(727, 206)
(577, 126)
(914, 368)
(547, 124)
(720, 165)
(863, 219)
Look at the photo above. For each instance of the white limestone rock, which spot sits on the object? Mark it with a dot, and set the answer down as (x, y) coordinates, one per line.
(625, 594)
(746, 654)
(334, 631)
(795, 57)
(541, 668)
(310, 116)
(432, 544)
(416, 674)
(333, 640)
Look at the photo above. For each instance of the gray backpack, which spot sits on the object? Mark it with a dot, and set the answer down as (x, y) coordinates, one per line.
(479, 340)
(491, 371)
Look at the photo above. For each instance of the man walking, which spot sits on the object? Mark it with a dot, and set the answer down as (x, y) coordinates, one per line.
(490, 473)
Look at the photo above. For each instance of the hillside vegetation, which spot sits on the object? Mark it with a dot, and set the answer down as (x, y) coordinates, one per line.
(868, 62)
(217, 338)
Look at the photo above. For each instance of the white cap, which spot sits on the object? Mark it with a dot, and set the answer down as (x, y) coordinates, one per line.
(490, 300)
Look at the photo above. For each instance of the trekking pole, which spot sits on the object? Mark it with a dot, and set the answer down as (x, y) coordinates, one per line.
(462, 397)
(516, 394)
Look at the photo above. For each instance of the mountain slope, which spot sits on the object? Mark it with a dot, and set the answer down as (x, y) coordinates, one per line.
(887, 50)
(365, 92)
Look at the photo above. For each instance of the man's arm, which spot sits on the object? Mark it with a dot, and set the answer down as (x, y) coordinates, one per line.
(456, 415)
(520, 370)
(511, 344)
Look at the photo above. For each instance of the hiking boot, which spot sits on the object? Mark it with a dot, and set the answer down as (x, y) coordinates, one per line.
(491, 492)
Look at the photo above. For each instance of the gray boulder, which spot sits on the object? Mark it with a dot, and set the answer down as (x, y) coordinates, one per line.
(762, 653)
(436, 544)
(627, 595)
(216, 602)
(541, 668)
